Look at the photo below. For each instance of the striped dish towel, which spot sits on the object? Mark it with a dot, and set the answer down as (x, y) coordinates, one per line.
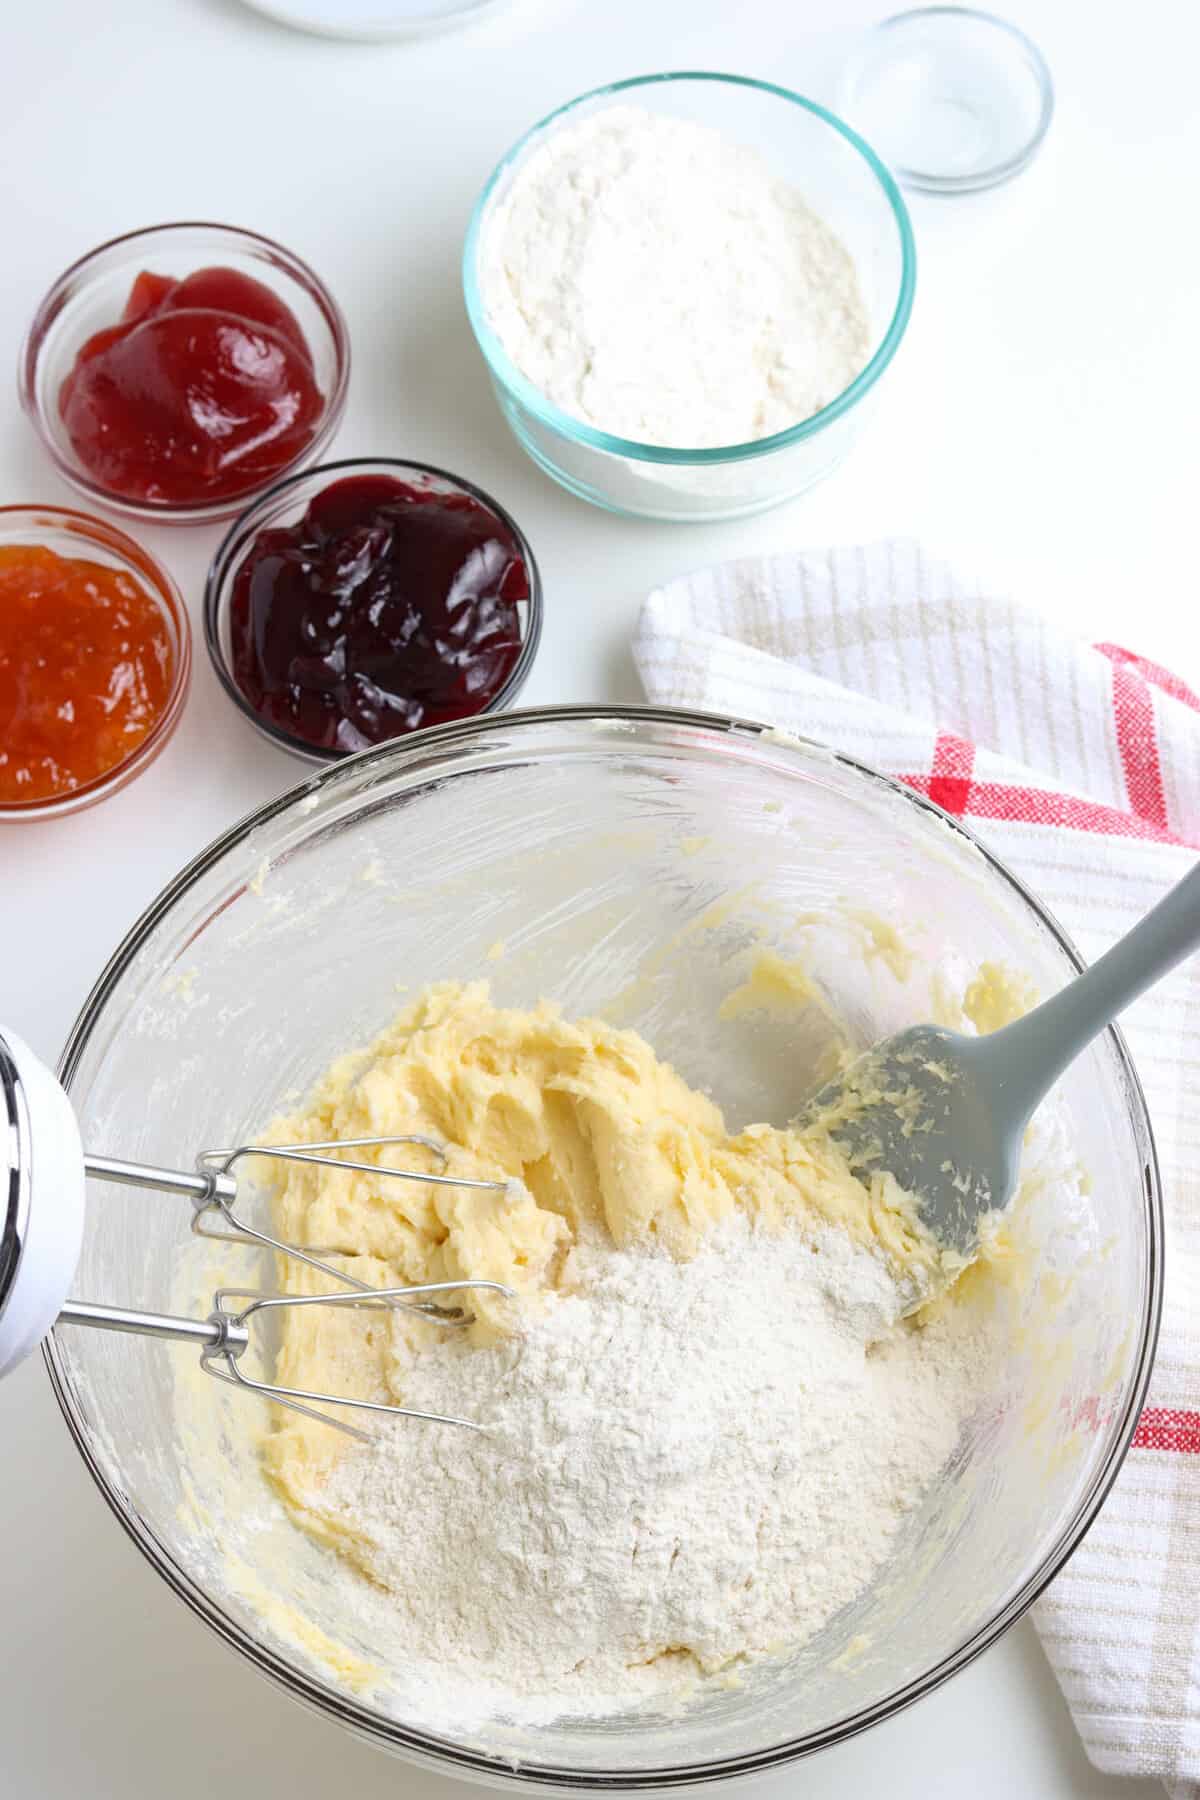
(1080, 766)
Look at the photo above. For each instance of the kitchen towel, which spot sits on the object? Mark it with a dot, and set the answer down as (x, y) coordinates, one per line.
(1080, 766)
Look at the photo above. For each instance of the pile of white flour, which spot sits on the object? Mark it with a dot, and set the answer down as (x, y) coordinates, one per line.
(685, 1464)
(658, 280)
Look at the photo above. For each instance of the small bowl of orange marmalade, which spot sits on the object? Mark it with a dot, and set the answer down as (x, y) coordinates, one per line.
(95, 660)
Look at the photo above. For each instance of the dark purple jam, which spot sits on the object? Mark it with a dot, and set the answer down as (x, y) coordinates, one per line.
(385, 608)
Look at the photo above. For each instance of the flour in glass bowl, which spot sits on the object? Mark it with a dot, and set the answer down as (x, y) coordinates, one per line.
(658, 280)
(685, 1466)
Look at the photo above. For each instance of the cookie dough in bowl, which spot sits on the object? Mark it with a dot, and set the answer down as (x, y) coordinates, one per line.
(704, 1414)
(605, 957)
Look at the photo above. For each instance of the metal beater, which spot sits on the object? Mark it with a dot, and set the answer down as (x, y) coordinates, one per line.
(43, 1169)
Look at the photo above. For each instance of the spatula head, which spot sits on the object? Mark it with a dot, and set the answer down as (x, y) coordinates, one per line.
(923, 1105)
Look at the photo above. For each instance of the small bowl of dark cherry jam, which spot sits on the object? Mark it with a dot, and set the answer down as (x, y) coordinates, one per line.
(364, 600)
(176, 372)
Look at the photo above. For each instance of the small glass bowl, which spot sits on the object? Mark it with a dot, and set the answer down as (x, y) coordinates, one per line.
(283, 504)
(846, 185)
(956, 99)
(75, 534)
(91, 294)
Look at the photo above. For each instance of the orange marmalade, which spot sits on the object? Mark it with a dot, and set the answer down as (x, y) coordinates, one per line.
(86, 666)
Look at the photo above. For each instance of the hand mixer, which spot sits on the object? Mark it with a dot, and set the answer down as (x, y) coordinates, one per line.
(43, 1168)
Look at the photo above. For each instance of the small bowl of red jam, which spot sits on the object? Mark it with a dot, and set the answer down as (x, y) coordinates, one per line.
(176, 372)
(95, 660)
(364, 600)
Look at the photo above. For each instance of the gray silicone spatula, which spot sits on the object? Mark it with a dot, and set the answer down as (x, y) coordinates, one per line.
(945, 1114)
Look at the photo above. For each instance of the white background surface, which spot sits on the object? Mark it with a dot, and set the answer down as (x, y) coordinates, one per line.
(1040, 421)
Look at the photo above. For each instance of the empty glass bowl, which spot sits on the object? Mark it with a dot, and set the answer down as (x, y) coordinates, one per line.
(954, 98)
(845, 184)
(626, 859)
(91, 295)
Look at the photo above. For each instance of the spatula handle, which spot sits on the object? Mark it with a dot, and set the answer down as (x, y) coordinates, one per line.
(1032, 1053)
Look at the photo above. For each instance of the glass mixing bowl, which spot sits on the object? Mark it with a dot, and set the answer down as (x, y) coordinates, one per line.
(628, 861)
(845, 184)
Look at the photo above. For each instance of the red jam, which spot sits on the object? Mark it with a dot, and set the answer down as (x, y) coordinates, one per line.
(203, 390)
(386, 608)
(86, 665)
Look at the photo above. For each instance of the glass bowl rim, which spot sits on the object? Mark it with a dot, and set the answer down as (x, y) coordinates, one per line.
(149, 572)
(195, 512)
(225, 562)
(547, 413)
(928, 181)
(426, 1748)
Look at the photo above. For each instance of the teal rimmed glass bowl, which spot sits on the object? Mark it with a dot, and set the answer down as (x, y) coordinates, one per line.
(843, 181)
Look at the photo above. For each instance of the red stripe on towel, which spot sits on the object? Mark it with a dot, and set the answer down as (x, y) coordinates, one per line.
(1133, 706)
(1152, 672)
(1161, 1428)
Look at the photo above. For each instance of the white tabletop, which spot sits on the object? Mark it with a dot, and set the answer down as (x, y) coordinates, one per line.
(1041, 421)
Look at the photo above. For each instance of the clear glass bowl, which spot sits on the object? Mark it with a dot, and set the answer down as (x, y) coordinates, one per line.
(91, 294)
(284, 504)
(955, 99)
(590, 842)
(76, 534)
(845, 183)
